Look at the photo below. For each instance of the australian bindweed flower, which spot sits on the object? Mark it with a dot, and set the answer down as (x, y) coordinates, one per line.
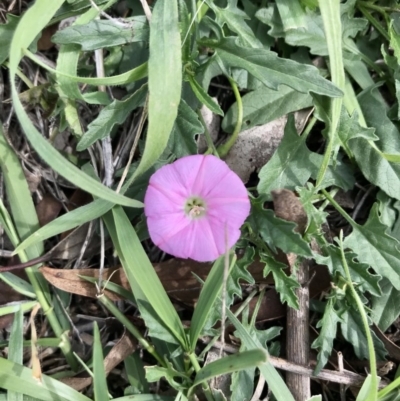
(195, 206)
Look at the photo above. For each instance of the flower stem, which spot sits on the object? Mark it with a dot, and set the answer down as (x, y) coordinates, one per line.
(360, 305)
(211, 147)
(131, 328)
(224, 149)
(196, 367)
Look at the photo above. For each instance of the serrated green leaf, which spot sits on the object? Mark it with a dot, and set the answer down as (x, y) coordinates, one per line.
(353, 331)
(115, 113)
(310, 32)
(165, 80)
(271, 70)
(324, 342)
(386, 308)
(350, 128)
(235, 18)
(264, 105)
(104, 33)
(187, 125)
(272, 377)
(375, 247)
(277, 233)
(371, 161)
(284, 285)
(360, 274)
(155, 373)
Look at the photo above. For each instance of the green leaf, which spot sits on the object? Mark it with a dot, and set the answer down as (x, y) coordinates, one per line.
(187, 125)
(289, 166)
(353, 331)
(135, 373)
(264, 105)
(146, 397)
(6, 34)
(292, 15)
(203, 96)
(231, 363)
(238, 274)
(208, 296)
(371, 162)
(104, 33)
(368, 391)
(114, 113)
(375, 247)
(41, 12)
(68, 221)
(309, 30)
(20, 200)
(360, 274)
(324, 342)
(143, 280)
(18, 284)
(16, 349)
(272, 377)
(165, 80)
(271, 70)
(24, 306)
(99, 373)
(386, 308)
(277, 233)
(155, 373)
(330, 11)
(234, 18)
(284, 285)
(18, 378)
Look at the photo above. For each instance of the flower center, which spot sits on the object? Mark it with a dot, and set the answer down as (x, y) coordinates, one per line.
(195, 207)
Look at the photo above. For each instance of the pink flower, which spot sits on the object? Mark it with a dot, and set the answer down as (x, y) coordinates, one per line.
(189, 203)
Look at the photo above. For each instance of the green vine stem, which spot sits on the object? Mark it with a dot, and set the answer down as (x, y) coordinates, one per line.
(364, 318)
(224, 149)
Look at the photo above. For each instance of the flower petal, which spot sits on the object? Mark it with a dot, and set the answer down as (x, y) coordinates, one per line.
(159, 202)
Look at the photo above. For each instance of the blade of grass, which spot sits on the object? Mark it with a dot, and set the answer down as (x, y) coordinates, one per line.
(145, 284)
(16, 349)
(165, 80)
(15, 377)
(99, 373)
(330, 11)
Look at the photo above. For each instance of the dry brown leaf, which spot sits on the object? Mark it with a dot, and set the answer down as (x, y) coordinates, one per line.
(35, 362)
(68, 280)
(48, 209)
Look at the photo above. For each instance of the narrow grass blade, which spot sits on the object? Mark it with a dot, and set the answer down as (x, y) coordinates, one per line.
(99, 373)
(165, 80)
(15, 377)
(209, 293)
(330, 11)
(145, 284)
(16, 349)
(231, 363)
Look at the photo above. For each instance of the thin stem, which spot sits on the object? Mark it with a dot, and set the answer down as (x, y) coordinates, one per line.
(360, 305)
(211, 147)
(131, 328)
(224, 149)
(373, 21)
(196, 367)
(338, 208)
